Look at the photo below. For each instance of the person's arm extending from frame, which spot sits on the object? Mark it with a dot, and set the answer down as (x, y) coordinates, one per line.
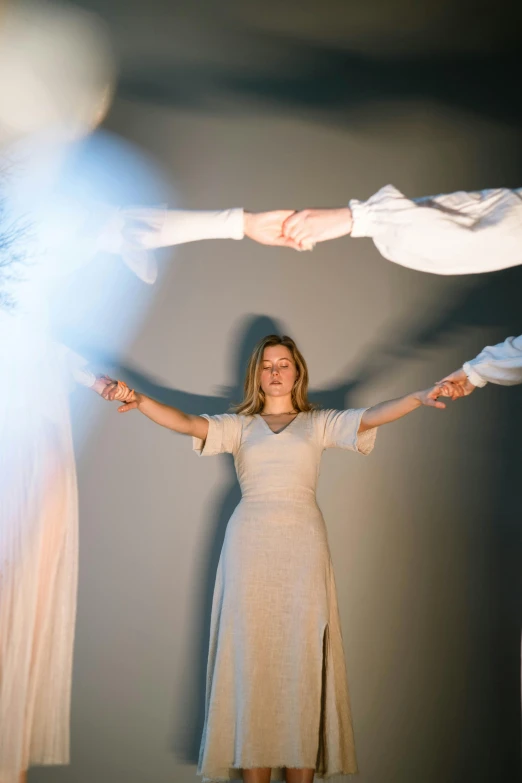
(451, 234)
(501, 364)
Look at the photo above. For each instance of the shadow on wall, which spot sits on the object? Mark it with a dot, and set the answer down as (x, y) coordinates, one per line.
(494, 301)
(324, 80)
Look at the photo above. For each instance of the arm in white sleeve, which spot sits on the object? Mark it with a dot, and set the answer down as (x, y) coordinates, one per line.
(76, 366)
(133, 233)
(452, 234)
(153, 228)
(500, 363)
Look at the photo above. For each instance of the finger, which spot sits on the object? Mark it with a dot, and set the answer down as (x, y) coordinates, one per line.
(107, 391)
(291, 223)
(300, 235)
(457, 389)
(122, 391)
(115, 394)
(448, 390)
(452, 396)
(127, 407)
(285, 242)
(112, 391)
(282, 241)
(453, 377)
(293, 244)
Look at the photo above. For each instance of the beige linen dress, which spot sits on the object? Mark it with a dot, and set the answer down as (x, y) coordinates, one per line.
(277, 694)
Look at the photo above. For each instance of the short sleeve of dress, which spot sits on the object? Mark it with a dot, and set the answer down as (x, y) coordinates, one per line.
(339, 430)
(224, 435)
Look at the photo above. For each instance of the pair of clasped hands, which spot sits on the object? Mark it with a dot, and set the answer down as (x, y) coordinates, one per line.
(298, 230)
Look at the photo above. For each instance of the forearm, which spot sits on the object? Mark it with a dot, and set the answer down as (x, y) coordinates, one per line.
(391, 410)
(171, 418)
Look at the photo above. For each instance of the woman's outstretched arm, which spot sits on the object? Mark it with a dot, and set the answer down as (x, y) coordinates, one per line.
(164, 415)
(391, 410)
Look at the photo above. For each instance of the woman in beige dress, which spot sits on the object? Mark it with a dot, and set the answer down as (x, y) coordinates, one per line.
(277, 704)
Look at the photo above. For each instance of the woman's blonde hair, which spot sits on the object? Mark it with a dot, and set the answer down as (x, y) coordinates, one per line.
(254, 396)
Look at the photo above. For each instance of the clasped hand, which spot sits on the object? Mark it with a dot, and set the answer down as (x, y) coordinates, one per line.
(111, 390)
(300, 230)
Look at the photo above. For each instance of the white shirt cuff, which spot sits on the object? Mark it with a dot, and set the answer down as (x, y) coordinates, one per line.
(473, 376)
(361, 218)
(233, 220)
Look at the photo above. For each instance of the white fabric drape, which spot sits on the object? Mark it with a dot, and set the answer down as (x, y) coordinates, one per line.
(450, 234)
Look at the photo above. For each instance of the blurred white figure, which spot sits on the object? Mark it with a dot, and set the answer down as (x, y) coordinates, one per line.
(56, 71)
(55, 81)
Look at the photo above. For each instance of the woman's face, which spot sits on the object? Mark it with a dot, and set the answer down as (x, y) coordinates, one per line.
(278, 371)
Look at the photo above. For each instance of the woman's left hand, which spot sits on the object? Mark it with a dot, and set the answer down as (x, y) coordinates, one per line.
(117, 390)
(430, 397)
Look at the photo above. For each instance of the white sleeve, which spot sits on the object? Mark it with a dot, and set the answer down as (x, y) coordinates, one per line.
(164, 228)
(452, 234)
(500, 363)
(76, 366)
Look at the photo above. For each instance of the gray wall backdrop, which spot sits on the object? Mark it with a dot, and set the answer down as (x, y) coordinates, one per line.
(271, 105)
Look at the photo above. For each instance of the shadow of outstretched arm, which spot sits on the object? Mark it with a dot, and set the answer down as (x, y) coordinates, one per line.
(328, 80)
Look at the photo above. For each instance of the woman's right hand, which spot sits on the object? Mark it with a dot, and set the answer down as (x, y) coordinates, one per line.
(117, 390)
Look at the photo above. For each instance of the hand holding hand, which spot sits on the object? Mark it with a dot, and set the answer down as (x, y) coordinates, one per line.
(309, 226)
(457, 384)
(429, 397)
(267, 228)
(117, 390)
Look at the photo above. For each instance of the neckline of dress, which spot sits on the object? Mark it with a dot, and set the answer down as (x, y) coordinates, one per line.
(273, 432)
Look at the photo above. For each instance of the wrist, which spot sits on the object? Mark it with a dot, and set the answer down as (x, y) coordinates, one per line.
(417, 399)
(473, 376)
(347, 219)
(247, 223)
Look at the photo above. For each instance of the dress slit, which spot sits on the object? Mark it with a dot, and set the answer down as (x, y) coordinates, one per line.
(321, 764)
